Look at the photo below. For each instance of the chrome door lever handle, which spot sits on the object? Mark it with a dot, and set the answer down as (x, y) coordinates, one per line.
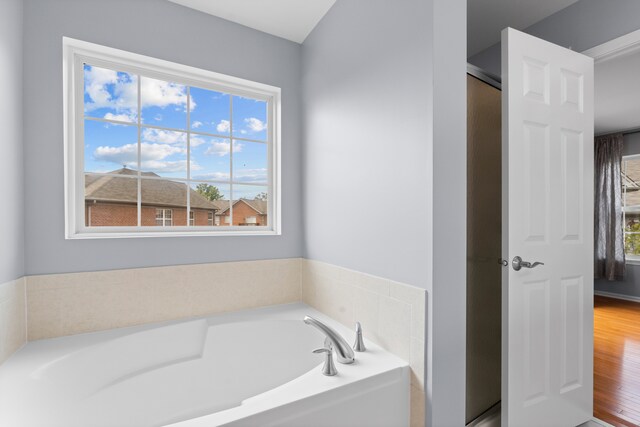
(517, 263)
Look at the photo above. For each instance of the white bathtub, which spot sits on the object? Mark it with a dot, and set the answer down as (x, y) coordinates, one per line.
(250, 368)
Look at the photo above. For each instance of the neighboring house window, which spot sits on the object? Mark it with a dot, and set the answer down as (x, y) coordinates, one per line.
(631, 205)
(143, 132)
(250, 220)
(217, 220)
(164, 217)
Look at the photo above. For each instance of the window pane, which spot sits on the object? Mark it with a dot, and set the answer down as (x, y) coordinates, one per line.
(250, 205)
(249, 118)
(632, 244)
(164, 152)
(210, 111)
(110, 201)
(109, 147)
(210, 159)
(110, 94)
(631, 181)
(250, 162)
(210, 203)
(164, 203)
(163, 103)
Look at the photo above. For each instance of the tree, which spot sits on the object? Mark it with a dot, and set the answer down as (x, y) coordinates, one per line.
(209, 191)
(261, 196)
(631, 238)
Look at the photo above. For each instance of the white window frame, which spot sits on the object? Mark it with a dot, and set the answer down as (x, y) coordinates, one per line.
(192, 218)
(75, 54)
(629, 258)
(165, 217)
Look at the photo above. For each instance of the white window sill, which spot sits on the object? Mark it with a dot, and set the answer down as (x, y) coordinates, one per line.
(632, 261)
(116, 235)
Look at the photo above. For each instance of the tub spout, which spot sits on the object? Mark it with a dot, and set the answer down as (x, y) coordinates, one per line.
(344, 353)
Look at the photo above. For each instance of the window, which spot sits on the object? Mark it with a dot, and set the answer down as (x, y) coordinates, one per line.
(164, 217)
(631, 205)
(217, 220)
(143, 133)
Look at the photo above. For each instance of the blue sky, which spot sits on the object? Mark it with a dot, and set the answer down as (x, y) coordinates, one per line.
(113, 95)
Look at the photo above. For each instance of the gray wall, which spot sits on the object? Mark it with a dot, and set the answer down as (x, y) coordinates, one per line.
(168, 31)
(630, 286)
(367, 139)
(384, 178)
(11, 160)
(581, 26)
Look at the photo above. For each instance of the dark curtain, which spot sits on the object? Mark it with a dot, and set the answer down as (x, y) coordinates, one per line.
(609, 233)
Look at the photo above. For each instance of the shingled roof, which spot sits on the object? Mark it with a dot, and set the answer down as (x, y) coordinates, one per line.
(156, 192)
(260, 206)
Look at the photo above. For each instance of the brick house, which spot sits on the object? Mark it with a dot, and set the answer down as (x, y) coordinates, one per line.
(245, 212)
(113, 201)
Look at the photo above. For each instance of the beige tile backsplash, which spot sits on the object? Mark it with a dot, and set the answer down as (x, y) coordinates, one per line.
(392, 314)
(67, 304)
(13, 332)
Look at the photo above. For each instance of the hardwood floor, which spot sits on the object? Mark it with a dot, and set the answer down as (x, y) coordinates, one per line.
(616, 367)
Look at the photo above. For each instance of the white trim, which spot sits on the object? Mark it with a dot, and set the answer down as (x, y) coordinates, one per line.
(617, 296)
(76, 53)
(602, 423)
(163, 69)
(616, 47)
(230, 231)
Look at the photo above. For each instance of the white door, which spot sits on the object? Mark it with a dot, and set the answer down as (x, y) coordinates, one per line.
(547, 330)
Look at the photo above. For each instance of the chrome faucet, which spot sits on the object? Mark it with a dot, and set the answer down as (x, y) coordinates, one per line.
(333, 340)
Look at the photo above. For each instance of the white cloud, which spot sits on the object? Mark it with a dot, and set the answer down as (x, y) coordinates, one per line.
(196, 124)
(160, 166)
(255, 125)
(223, 126)
(164, 136)
(101, 83)
(222, 148)
(128, 153)
(158, 93)
(196, 141)
(123, 117)
(96, 82)
(250, 175)
(119, 91)
(215, 176)
(124, 155)
(159, 151)
(152, 157)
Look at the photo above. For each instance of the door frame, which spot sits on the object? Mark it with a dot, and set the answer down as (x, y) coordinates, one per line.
(619, 46)
(622, 45)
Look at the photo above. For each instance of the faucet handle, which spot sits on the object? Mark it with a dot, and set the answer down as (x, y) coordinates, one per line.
(359, 344)
(329, 368)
